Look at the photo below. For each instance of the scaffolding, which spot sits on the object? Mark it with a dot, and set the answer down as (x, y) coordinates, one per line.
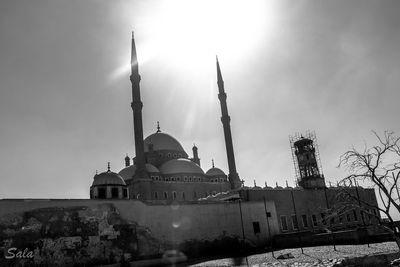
(296, 137)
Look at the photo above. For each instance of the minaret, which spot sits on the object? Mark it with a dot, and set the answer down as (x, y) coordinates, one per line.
(195, 158)
(233, 175)
(137, 106)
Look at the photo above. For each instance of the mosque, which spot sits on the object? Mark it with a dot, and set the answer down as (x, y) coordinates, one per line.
(162, 172)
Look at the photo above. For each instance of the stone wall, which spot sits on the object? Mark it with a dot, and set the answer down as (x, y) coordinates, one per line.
(93, 232)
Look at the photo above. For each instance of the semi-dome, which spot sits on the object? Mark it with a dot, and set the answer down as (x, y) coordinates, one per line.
(128, 172)
(108, 178)
(180, 166)
(162, 141)
(215, 171)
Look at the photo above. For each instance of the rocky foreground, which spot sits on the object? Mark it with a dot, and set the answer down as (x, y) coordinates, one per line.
(312, 256)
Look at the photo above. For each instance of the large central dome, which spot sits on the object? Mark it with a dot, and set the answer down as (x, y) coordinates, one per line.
(162, 141)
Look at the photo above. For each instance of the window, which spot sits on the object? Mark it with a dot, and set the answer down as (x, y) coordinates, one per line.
(268, 214)
(101, 193)
(174, 195)
(155, 195)
(183, 196)
(294, 222)
(355, 215)
(169, 155)
(114, 192)
(185, 178)
(194, 195)
(348, 217)
(175, 155)
(125, 193)
(256, 227)
(284, 225)
(304, 220)
(165, 195)
(314, 220)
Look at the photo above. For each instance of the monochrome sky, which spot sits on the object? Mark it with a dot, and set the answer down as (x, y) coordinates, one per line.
(288, 66)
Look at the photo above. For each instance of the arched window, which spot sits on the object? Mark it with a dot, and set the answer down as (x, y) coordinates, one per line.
(183, 196)
(185, 178)
(165, 195)
(156, 195)
(175, 155)
(169, 155)
(174, 195)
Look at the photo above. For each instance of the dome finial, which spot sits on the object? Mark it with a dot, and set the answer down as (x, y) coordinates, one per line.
(108, 166)
(212, 163)
(158, 127)
(287, 185)
(96, 172)
(255, 183)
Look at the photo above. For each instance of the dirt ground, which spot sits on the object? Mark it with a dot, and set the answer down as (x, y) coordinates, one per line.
(311, 256)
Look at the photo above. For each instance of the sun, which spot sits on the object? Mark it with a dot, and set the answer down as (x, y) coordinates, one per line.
(197, 30)
(186, 35)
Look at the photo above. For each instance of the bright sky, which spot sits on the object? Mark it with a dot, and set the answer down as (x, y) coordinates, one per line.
(288, 66)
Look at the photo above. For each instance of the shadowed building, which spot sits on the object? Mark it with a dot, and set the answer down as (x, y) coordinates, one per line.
(163, 172)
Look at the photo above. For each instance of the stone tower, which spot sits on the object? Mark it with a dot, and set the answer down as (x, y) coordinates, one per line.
(306, 157)
(233, 175)
(137, 106)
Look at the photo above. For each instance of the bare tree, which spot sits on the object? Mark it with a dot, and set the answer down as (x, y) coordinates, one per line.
(378, 165)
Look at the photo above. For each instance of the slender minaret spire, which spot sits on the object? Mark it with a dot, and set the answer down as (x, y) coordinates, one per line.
(108, 166)
(212, 163)
(233, 175)
(137, 106)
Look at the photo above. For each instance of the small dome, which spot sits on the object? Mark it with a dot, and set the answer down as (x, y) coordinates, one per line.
(108, 178)
(180, 166)
(215, 171)
(162, 141)
(128, 172)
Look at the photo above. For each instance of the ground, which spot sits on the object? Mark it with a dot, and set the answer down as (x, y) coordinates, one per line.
(313, 256)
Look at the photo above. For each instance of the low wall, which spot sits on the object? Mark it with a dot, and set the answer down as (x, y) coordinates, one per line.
(93, 232)
(310, 239)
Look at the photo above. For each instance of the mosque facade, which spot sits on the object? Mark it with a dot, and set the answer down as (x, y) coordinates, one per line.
(163, 172)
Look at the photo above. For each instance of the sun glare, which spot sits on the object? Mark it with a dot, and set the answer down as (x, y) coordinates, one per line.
(197, 30)
(191, 33)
